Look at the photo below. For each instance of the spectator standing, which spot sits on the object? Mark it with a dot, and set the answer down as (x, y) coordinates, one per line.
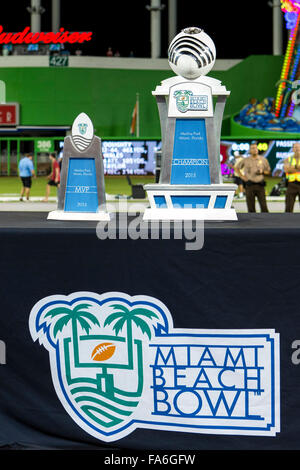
(26, 172)
(54, 177)
(291, 168)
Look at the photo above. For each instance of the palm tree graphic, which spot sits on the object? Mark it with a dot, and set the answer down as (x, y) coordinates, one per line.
(98, 397)
(130, 317)
(76, 315)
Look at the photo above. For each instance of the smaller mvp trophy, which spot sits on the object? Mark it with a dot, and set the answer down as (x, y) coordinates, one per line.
(81, 195)
(191, 107)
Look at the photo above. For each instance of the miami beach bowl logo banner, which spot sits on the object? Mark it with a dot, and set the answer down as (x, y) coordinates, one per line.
(118, 364)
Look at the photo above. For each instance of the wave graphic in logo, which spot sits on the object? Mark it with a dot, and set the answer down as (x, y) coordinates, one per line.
(80, 142)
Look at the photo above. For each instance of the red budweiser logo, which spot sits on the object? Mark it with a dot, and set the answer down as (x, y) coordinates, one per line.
(27, 37)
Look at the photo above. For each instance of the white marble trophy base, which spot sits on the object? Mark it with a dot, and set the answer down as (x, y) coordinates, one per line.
(62, 215)
(181, 202)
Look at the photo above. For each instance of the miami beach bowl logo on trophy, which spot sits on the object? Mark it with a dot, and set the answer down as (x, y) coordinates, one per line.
(182, 99)
(192, 53)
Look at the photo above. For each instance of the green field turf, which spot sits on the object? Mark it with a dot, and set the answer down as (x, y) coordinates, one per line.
(11, 185)
(116, 185)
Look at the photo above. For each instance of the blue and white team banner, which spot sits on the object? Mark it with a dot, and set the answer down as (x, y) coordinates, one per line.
(81, 189)
(118, 364)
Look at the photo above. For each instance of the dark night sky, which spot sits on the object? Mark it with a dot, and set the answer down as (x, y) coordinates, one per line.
(238, 28)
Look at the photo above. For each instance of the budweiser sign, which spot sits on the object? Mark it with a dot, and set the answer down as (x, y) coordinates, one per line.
(27, 37)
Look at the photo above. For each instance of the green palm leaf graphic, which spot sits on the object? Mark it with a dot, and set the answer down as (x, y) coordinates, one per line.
(145, 312)
(121, 307)
(112, 317)
(88, 316)
(58, 311)
(84, 325)
(143, 326)
(124, 315)
(80, 307)
(119, 325)
(73, 315)
(99, 398)
(60, 324)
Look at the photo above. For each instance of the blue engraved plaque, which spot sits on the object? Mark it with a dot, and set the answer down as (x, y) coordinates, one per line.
(190, 163)
(81, 189)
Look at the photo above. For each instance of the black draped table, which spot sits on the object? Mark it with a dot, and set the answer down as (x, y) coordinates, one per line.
(245, 277)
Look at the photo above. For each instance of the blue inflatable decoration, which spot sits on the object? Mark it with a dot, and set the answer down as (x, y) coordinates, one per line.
(260, 115)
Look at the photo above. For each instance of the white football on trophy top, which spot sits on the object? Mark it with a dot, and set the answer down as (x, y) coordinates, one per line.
(192, 53)
(82, 132)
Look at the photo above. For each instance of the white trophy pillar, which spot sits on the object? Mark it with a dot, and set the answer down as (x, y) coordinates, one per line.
(191, 108)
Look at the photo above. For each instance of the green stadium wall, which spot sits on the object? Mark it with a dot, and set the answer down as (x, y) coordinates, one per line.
(55, 96)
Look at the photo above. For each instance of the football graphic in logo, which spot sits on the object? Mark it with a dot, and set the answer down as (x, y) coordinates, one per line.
(103, 352)
(192, 53)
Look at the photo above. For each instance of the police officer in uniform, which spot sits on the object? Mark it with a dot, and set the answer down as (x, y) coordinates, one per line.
(252, 171)
(291, 168)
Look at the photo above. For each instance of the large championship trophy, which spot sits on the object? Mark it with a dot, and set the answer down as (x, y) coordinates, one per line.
(191, 107)
(81, 194)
